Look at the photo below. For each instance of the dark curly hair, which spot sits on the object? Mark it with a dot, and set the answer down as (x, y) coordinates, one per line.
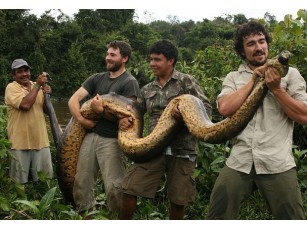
(249, 28)
(165, 47)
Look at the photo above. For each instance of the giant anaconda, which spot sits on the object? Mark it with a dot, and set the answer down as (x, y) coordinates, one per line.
(141, 149)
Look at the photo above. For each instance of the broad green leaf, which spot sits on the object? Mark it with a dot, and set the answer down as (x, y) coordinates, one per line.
(47, 199)
(31, 204)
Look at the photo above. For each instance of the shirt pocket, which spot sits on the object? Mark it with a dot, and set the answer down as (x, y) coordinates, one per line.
(171, 94)
(149, 100)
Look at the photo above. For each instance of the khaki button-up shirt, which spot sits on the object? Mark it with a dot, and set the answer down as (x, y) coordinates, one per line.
(26, 129)
(266, 141)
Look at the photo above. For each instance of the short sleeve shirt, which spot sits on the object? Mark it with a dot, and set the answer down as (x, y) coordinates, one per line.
(101, 83)
(26, 129)
(267, 139)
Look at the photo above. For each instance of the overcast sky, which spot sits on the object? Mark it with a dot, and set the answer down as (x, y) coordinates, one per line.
(195, 10)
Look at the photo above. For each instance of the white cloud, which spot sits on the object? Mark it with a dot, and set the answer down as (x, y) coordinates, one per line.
(195, 10)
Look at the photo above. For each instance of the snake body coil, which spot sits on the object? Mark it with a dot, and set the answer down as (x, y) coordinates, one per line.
(139, 148)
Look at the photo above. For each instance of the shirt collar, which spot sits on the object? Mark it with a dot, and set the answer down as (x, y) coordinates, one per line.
(245, 68)
(173, 76)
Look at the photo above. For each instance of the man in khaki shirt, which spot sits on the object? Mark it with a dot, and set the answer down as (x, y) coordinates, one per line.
(262, 152)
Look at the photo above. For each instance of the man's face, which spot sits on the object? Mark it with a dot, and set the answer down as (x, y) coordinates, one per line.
(114, 60)
(22, 75)
(255, 49)
(159, 65)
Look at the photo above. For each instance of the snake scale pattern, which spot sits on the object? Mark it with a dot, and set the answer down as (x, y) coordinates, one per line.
(140, 149)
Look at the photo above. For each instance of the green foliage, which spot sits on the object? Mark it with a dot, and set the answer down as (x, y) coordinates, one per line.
(207, 33)
(210, 67)
(141, 70)
(38, 209)
(291, 34)
(4, 143)
(72, 49)
(301, 162)
(9, 191)
(210, 161)
(73, 72)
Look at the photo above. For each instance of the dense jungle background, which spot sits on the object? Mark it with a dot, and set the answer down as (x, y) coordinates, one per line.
(72, 48)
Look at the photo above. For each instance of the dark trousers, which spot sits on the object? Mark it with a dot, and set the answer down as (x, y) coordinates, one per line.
(281, 192)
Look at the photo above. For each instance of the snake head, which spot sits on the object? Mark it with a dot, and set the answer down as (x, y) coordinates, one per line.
(47, 75)
(284, 57)
(281, 62)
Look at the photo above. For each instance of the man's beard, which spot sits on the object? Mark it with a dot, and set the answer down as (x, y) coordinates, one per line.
(114, 67)
(256, 63)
